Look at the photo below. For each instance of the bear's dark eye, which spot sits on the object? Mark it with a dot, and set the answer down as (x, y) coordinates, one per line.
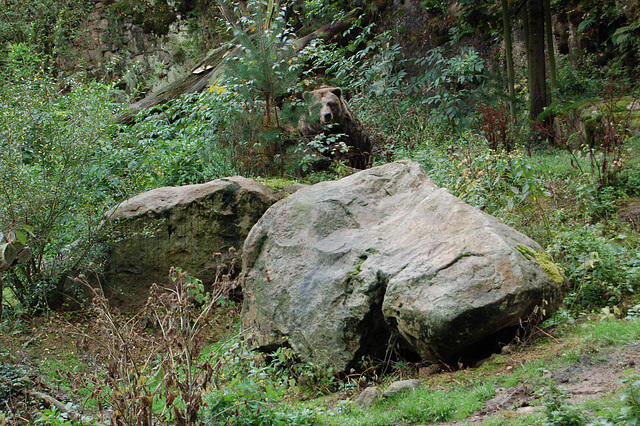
(332, 104)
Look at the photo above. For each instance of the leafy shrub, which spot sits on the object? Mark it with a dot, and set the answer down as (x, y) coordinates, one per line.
(244, 405)
(492, 181)
(630, 397)
(600, 271)
(449, 82)
(189, 141)
(577, 82)
(54, 150)
(368, 62)
(54, 417)
(557, 412)
(12, 380)
(254, 392)
(47, 26)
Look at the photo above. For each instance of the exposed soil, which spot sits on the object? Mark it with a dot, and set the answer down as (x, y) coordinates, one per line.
(630, 213)
(592, 376)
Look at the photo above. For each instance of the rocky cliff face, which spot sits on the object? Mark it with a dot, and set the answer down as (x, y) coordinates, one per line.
(129, 43)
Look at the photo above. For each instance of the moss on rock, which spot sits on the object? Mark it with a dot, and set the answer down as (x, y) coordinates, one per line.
(544, 259)
(275, 183)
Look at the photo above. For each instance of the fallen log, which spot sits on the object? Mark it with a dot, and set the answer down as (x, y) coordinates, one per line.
(190, 83)
(210, 69)
(73, 414)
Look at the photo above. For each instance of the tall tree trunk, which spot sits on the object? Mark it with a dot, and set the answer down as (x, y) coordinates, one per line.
(508, 51)
(527, 39)
(537, 68)
(550, 49)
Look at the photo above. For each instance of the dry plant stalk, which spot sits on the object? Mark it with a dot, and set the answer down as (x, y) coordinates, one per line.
(164, 363)
(602, 137)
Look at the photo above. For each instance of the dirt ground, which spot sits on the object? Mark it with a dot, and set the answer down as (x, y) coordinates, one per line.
(592, 376)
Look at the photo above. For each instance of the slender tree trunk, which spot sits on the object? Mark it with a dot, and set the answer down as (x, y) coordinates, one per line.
(527, 37)
(506, 22)
(1, 299)
(550, 49)
(537, 68)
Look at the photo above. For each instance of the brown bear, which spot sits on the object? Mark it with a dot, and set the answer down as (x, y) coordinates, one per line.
(329, 114)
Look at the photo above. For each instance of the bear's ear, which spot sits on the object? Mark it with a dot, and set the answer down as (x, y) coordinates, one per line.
(337, 91)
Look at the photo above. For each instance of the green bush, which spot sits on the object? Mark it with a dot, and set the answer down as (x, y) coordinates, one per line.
(631, 399)
(60, 170)
(600, 271)
(47, 26)
(244, 405)
(254, 393)
(557, 411)
(13, 379)
(189, 141)
(368, 62)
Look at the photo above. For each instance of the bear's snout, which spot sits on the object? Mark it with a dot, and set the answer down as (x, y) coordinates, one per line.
(327, 118)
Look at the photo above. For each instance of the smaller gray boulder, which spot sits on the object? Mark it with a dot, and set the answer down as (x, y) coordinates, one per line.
(367, 397)
(194, 227)
(401, 386)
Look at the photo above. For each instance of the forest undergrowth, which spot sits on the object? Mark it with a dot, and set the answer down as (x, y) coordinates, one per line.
(571, 182)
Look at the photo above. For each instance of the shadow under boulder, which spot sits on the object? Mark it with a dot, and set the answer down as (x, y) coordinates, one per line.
(339, 269)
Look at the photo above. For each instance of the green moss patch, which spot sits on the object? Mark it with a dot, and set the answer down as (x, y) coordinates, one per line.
(544, 259)
(276, 184)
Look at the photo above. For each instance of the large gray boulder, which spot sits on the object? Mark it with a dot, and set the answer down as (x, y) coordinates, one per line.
(340, 268)
(180, 227)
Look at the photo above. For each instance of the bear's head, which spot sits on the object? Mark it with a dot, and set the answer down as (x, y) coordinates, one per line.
(327, 102)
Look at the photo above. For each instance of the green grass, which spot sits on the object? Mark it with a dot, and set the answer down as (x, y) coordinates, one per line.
(610, 332)
(510, 418)
(416, 407)
(557, 164)
(457, 395)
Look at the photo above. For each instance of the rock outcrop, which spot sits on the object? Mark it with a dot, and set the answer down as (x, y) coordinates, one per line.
(180, 227)
(341, 269)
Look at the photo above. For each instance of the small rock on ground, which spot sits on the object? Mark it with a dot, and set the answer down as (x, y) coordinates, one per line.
(402, 385)
(368, 397)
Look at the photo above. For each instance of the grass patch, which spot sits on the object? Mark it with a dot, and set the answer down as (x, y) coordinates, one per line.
(557, 164)
(454, 396)
(513, 419)
(277, 184)
(610, 331)
(425, 405)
